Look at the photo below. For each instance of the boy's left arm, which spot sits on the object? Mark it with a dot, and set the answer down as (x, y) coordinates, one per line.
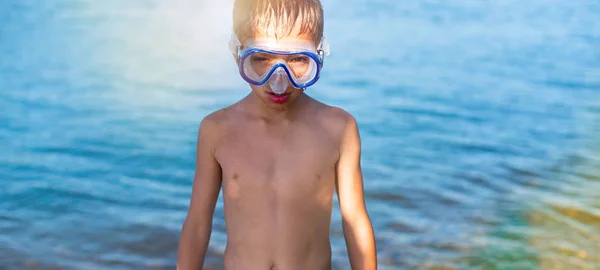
(357, 227)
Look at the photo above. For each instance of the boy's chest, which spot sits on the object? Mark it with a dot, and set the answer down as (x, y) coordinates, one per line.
(258, 158)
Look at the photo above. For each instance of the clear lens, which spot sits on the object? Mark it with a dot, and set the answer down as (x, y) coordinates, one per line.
(301, 67)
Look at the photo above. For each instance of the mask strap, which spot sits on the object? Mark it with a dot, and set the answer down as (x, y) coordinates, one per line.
(323, 49)
(235, 46)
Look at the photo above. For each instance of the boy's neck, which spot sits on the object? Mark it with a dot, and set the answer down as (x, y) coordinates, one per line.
(275, 115)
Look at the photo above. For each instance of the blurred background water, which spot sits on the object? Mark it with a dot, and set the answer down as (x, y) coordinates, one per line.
(480, 123)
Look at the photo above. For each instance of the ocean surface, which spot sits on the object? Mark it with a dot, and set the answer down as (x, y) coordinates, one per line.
(480, 123)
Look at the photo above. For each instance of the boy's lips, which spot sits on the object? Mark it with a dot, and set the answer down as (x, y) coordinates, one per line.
(277, 98)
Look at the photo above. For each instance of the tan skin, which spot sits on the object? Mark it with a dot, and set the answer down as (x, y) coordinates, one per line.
(279, 166)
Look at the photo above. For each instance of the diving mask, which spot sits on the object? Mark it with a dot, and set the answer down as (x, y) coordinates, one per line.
(279, 63)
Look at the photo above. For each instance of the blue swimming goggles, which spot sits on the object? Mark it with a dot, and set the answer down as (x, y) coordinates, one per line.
(265, 59)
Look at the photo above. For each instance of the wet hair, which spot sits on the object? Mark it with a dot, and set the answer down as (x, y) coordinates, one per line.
(277, 18)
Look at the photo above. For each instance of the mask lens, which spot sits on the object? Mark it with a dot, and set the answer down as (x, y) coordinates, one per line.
(299, 65)
(258, 65)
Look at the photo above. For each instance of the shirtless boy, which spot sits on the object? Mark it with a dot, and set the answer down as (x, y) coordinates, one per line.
(278, 153)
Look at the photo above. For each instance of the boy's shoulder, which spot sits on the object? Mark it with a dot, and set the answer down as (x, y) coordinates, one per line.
(335, 116)
(211, 126)
(221, 118)
(215, 117)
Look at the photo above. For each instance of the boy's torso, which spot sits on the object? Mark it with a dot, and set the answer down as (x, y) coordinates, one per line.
(278, 184)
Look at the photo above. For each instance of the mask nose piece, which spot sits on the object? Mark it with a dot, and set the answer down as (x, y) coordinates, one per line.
(279, 81)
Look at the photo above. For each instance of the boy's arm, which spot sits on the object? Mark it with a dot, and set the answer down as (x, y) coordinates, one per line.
(358, 231)
(196, 230)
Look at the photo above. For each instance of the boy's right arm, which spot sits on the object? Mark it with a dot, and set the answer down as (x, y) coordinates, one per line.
(196, 230)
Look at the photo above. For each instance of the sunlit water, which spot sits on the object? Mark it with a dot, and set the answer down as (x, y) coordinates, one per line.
(480, 123)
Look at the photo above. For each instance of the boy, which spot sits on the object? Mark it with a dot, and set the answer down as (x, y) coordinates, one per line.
(278, 154)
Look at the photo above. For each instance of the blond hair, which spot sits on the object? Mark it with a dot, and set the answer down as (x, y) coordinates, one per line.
(277, 17)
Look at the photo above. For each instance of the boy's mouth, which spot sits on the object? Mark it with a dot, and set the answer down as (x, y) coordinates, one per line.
(278, 98)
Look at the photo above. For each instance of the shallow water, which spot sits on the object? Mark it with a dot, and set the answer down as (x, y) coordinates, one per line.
(480, 123)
